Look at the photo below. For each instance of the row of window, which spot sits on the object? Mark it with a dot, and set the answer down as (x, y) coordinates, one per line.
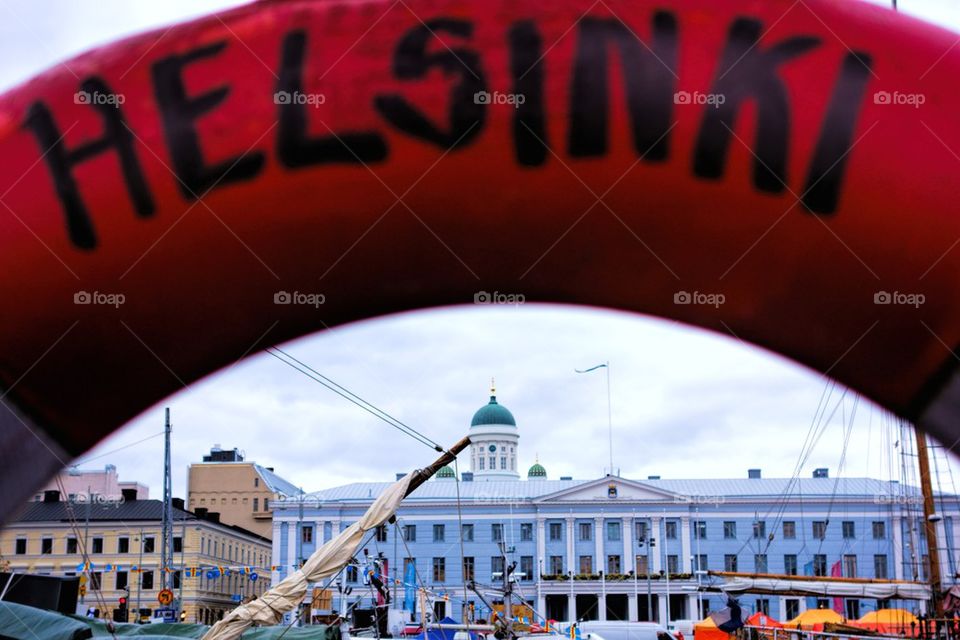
(71, 545)
(788, 529)
(213, 502)
(222, 584)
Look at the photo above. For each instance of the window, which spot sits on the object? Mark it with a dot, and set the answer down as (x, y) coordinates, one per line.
(819, 529)
(306, 534)
(468, 533)
(526, 531)
(503, 462)
(496, 532)
(850, 566)
(121, 580)
(146, 580)
(97, 545)
(256, 482)
(468, 568)
(613, 564)
(671, 529)
(792, 608)
(256, 504)
(925, 567)
(46, 546)
(21, 547)
(760, 562)
(673, 564)
(96, 580)
(586, 565)
(149, 542)
(556, 565)
(556, 531)
(482, 463)
(730, 562)
(641, 529)
(879, 530)
(177, 544)
(700, 562)
(526, 568)
(790, 564)
(439, 569)
(382, 533)
(853, 609)
(729, 530)
(496, 564)
(586, 531)
(439, 533)
(410, 532)
(700, 529)
(71, 545)
(352, 573)
(763, 606)
(266, 504)
(123, 545)
(760, 529)
(819, 564)
(176, 579)
(849, 529)
(613, 531)
(643, 564)
(493, 463)
(789, 529)
(880, 565)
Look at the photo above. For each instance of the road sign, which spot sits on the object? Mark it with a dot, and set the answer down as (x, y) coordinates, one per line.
(237, 597)
(165, 597)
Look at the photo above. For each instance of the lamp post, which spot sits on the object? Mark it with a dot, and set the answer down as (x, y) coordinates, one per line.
(651, 543)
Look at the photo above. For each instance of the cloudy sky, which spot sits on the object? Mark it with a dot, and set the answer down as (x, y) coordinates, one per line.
(684, 403)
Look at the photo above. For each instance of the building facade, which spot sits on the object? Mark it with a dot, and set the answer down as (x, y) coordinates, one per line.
(212, 569)
(80, 484)
(241, 492)
(619, 548)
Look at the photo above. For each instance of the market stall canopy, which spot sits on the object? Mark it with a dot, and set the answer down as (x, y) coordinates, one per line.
(762, 620)
(812, 617)
(707, 629)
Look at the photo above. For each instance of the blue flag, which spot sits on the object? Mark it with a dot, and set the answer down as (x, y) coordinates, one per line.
(410, 588)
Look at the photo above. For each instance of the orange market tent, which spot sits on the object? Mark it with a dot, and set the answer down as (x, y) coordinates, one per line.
(889, 621)
(762, 620)
(707, 629)
(811, 618)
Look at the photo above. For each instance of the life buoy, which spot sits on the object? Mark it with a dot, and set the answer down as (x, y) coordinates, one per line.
(781, 172)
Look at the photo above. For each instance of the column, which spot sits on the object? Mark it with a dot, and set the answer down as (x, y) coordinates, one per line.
(943, 547)
(656, 552)
(572, 607)
(570, 559)
(600, 565)
(541, 546)
(685, 544)
(292, 532)
(693, 612)
(632, 614)
(541, 613)
(629, 548)
(662, 609)
(275, 559)
(897, 535)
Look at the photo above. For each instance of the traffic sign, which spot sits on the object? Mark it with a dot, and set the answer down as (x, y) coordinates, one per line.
(165, 597)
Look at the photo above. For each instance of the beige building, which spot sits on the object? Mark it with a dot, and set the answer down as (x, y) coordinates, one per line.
(240, 491)
(212, 562)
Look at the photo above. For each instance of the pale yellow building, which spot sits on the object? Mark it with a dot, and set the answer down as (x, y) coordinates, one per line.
(211, 568)
(240, 491)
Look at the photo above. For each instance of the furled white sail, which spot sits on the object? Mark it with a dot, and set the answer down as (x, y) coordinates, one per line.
(323, 563)
(872, 589)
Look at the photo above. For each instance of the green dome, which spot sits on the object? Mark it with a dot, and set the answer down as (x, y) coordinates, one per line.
(446, 472)
(537, 471)
(493, 413)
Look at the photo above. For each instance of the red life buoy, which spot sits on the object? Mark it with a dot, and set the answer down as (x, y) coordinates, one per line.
(777, 171)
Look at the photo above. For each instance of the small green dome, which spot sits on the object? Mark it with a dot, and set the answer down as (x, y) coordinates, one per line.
(446, 473)
(537, 471)
(493, 413)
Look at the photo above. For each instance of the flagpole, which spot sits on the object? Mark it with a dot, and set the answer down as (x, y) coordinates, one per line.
(605, 365)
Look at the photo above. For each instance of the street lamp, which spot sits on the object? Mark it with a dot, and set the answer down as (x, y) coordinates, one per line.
(651, 543)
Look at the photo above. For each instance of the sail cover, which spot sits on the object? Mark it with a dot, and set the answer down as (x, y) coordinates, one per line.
(325, 562)
(837, 588)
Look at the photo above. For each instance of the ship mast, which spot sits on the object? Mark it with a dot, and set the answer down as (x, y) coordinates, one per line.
(929, 524)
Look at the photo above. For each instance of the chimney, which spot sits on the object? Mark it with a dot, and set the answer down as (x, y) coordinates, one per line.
(129, 495)
(270, 469)
(51, 496)
(400, 475)
(177, 503)
(213, 516)
(467, 476)
(653, 477)
(566, 477)
(753, 474)
(822, 472)
(200, 512)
